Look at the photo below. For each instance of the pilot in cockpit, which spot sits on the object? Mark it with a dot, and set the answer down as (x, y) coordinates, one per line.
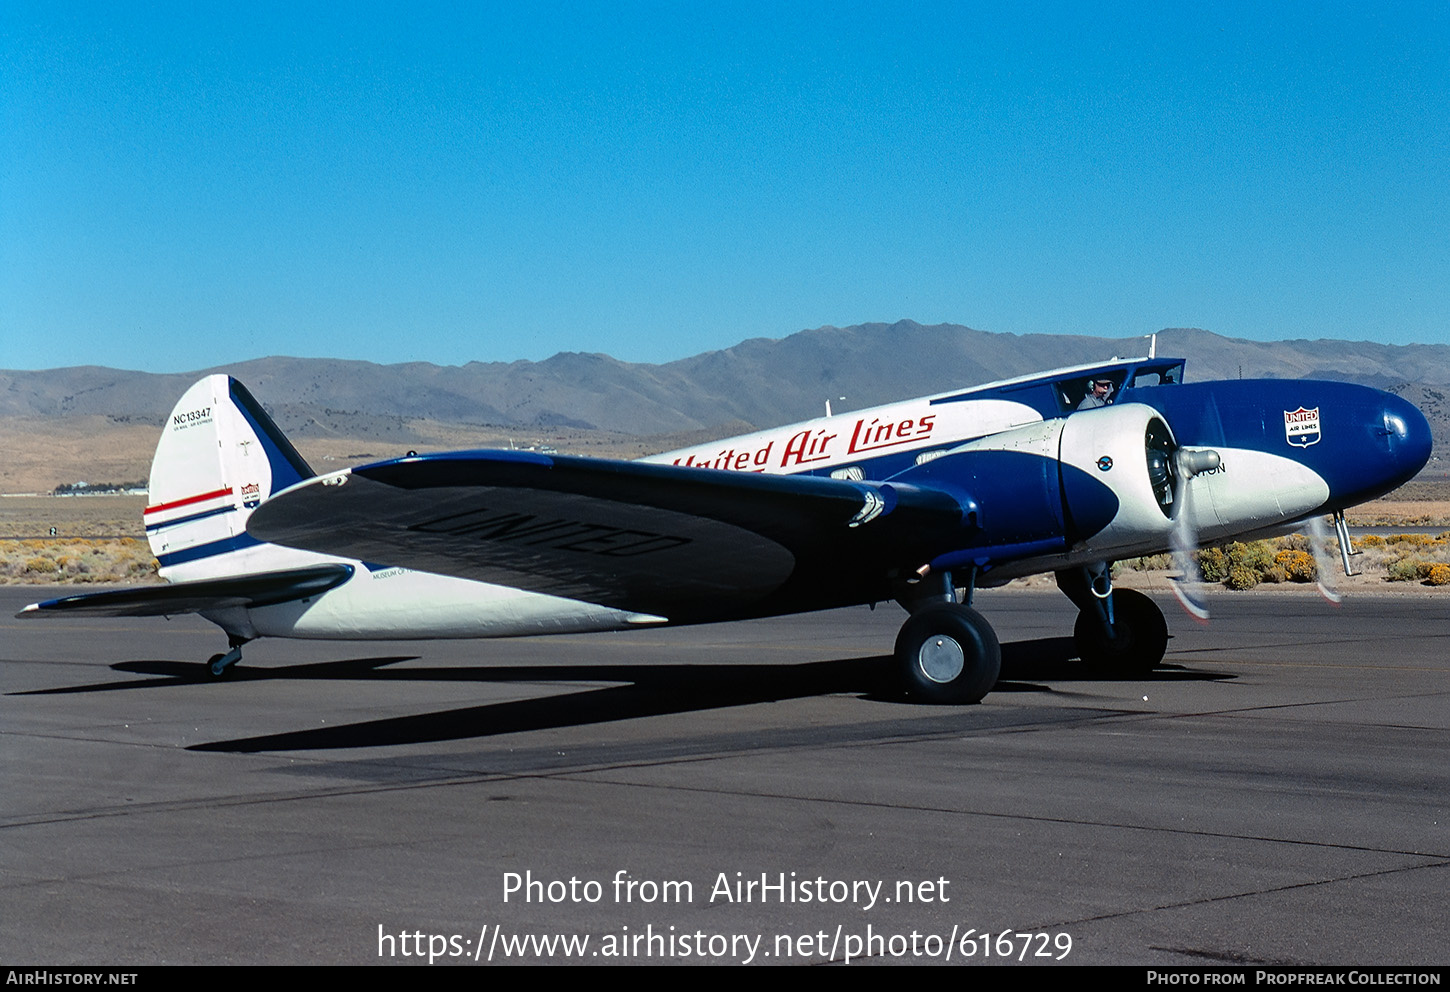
(1100, 393)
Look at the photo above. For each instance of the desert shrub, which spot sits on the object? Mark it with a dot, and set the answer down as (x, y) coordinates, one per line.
(1213, 564)
(1241, 577)
(1257, 556)
(1373, 541)
(1403, 570)
(141, 566)
(1276, 574)
(1149, 563)
(1417, 540)
(77, 560)
(1439, 574)
(1298, 564)
(1293, 542)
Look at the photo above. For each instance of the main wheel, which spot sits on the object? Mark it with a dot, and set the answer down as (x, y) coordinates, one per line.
(1141, 641)
(948, 654)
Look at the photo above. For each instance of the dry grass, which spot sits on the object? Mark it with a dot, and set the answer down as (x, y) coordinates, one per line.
(76, 561)
(71, 516)
(1422, 502)
(1400, 513)
(42, 454)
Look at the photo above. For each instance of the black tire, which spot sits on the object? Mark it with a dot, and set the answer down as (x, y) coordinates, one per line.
(1141, 642)
(211, 671)
(948, 654)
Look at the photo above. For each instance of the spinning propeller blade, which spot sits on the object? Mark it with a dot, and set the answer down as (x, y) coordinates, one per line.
(1189, 586)
(1324, 565)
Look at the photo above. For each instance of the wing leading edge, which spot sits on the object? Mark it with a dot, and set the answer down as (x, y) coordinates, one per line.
(686, 543)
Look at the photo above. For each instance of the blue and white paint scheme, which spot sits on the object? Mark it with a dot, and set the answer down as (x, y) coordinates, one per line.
(920, 502)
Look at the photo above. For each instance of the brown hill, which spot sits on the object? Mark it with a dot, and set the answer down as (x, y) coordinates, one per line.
(97, 424)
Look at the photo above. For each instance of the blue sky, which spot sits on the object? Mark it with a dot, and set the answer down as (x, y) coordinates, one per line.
(185, 185)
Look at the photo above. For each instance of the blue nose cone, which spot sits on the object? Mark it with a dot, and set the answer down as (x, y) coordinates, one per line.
(1387, 441)
(1407, 440)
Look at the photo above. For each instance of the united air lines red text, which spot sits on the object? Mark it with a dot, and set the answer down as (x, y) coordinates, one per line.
(818, 444)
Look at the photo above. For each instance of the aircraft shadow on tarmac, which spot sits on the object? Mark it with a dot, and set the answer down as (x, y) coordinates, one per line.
(643, 691)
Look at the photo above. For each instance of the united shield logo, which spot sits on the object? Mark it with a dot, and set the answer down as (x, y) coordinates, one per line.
(1301, 427)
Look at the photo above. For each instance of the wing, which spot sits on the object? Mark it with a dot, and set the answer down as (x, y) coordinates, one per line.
(263, 589)
(687, 543)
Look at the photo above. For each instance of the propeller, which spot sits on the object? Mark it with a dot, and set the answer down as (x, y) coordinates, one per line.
(1324, 565)
(1189, 587)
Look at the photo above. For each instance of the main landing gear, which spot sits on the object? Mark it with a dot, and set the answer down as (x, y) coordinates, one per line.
(946, 652)
(1119, 632)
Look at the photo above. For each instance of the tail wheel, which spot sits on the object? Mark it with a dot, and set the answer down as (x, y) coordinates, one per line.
(948, 654)
(1140, 636)
(219, 665)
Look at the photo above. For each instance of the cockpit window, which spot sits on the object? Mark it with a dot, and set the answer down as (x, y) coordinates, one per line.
(1170, 376)
(1079, 392)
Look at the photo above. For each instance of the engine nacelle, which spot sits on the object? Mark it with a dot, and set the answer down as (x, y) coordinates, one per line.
(1121, 479)
(1099, 481)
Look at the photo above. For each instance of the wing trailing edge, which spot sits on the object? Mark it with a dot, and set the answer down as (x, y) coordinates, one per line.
(246, 591)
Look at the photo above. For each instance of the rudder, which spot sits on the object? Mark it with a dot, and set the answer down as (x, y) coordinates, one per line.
(219, 456)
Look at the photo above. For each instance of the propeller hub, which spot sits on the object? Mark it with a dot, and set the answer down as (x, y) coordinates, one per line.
(1193, 461)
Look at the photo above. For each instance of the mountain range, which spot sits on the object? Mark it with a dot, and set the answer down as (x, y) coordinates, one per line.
(757, 383)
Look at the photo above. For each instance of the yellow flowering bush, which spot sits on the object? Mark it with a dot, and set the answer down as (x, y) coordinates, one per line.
(1298, 564)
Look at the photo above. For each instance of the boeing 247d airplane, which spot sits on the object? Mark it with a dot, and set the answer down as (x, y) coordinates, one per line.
(921, 502)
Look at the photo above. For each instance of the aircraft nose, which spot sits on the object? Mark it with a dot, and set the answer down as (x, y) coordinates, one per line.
(1386, 444)
(1407, 438)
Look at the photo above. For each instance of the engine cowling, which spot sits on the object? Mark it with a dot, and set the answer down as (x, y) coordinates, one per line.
(1099, 481)
(1122, 478)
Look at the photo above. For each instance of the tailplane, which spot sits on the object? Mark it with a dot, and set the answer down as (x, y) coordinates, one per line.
(219, 456)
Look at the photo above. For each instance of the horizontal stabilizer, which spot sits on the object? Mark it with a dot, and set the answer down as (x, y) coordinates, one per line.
(687, 543)
(263, 589)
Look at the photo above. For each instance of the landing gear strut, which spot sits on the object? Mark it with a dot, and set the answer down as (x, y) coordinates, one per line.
(1137, 642)
(946, 652)
(218, 665)
(1120, 632)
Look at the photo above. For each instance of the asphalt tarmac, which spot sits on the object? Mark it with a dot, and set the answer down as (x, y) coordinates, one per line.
(1278, 794)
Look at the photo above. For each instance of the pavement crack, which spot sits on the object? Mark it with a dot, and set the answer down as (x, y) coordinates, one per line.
(1248, 893)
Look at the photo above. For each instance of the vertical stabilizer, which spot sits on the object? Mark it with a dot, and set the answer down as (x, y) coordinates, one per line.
(219, 456)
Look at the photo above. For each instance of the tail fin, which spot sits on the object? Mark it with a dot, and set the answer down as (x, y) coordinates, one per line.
(219, 456)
